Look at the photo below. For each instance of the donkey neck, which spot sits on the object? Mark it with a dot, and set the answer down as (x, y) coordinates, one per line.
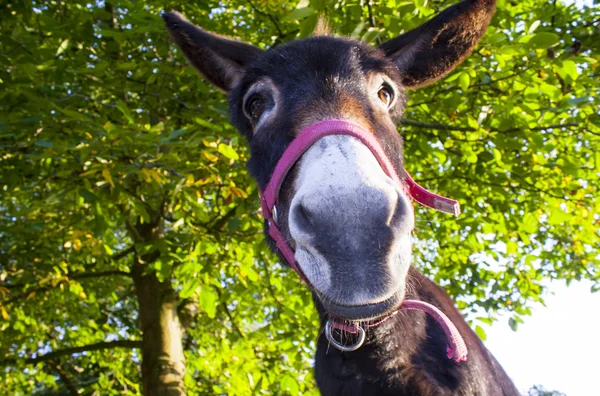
(404, 355)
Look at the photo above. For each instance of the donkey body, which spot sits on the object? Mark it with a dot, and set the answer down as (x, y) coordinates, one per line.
(347, 222)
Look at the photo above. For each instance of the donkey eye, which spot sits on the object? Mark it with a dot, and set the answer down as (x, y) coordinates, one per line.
(255, 107)
(386, 95)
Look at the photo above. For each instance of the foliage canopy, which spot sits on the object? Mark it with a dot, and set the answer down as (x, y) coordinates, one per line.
(118, 164)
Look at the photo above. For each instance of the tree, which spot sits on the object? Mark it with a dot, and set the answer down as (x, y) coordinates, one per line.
(131, 252)
(539, 390)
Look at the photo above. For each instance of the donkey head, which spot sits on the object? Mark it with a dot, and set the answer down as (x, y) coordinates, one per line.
(347, 222)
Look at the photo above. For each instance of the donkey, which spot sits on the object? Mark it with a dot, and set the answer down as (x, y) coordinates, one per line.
(320, 116)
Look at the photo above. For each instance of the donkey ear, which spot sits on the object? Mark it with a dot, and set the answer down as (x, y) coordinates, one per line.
(430, 51)
(219, 59)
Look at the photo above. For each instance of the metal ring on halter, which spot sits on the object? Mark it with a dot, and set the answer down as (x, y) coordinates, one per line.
(344, 348)
(275, 219)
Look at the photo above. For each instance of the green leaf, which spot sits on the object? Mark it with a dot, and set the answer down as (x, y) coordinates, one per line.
(208, 301)
(178, 223)
(511, 247)
(533, 26)
(552, 91)
(308, 26)
(44, 143)
(544, 40)
(471, 157)
(358, 29)
(452, 77)
(371, 34)
(108, 249)
(569, 68)
(298, 13)
(464, 80)
(576, 101)
(189, 288)
(62, 47)
(513, 324)
(32, 119)
(481, 333)
(290, 385)
(208, 125)
(176, 133)
(228, 151)
(497, 155)
(122, 106)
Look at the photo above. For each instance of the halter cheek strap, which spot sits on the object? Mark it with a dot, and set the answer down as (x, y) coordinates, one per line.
(293, 153)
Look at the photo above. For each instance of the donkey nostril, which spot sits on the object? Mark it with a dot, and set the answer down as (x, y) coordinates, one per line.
(401, 217)
(302, 218)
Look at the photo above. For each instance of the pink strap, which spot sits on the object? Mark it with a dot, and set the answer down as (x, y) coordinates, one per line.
(456, 348)
(280, 241)
(292, 154)
(313, 133)
(302, 143)
(309, 136)
(429, 199)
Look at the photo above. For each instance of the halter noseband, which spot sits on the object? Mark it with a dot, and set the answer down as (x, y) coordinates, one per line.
(268, 198)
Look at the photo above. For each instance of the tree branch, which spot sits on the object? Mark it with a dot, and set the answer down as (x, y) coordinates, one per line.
(187, 311)
(499, 79)
(452, 87)
(88, 275)
(440, 127)
(114, 257)
(228, 312)
(87, 98)
(588, 130)
(64, 376)
(270, 286)
(78, 276)
(523, 185)
(164, 166)
(443, 127)
(271, 17)
(219, 222)
(541, 128)
(130, 344)
(372, 20)
(122, 253)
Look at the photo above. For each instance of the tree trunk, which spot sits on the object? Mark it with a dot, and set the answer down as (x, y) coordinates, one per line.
(163, 361)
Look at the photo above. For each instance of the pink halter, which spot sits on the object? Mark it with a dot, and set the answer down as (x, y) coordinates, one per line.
(309, 136)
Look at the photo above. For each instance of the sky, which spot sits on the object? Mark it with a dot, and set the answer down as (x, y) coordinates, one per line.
(557, 347)
(581, 3)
